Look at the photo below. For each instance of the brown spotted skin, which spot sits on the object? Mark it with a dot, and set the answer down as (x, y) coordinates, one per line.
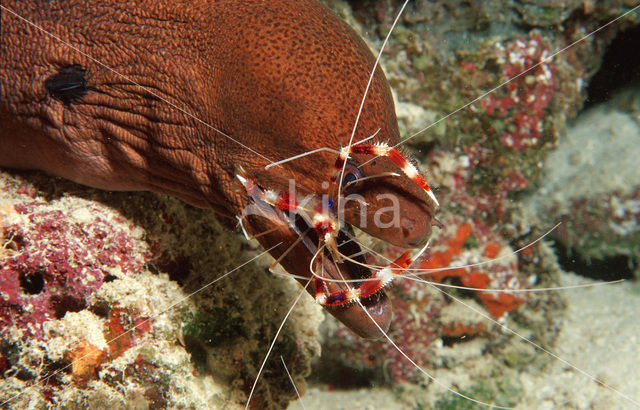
(279, 76)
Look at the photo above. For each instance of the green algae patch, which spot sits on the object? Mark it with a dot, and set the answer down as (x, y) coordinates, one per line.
(501, 392)
(216, 327)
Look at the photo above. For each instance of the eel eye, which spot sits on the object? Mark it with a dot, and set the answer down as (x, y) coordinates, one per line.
(351, 179)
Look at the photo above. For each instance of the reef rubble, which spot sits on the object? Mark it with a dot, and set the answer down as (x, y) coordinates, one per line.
(112, 299)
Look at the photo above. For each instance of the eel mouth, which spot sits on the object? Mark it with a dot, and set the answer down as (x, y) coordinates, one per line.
(344, 266)
(296, 239)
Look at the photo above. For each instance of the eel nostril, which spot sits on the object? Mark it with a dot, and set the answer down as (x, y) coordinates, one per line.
(407, 226)
(414, 233)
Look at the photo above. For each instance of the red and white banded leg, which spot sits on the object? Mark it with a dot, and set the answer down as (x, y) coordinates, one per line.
(368, 287)
(382, 149)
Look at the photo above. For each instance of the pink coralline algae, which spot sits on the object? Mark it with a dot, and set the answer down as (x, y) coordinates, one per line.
(54, 260)
(522, 103)
(482, 202)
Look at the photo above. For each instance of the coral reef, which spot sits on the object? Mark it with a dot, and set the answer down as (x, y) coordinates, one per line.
(592, 182)
(98, 304)
(484, 147)
(444, 328)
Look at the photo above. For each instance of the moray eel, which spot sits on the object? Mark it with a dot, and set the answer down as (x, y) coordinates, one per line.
(176, 96)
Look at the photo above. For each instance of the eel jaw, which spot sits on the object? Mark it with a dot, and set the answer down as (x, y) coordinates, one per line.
(358, 316)
(295, 244)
